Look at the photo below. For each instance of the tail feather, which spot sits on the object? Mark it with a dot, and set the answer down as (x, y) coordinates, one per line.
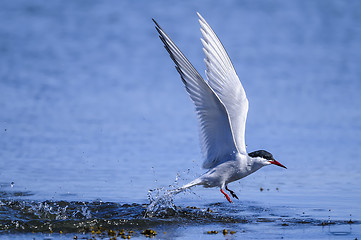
(195, 182)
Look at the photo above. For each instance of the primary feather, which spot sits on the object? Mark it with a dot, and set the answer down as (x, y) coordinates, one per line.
(223, 79)
(215, 110)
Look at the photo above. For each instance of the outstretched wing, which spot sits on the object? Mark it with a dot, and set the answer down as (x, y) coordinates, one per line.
(224, 81)
(215, 132)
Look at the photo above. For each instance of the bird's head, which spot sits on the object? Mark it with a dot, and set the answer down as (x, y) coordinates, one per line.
(265, 157)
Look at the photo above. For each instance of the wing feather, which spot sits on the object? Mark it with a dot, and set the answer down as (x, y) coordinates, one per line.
(215, 132)
(223, 80)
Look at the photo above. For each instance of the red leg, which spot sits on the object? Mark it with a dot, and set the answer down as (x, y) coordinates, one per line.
(225, 194)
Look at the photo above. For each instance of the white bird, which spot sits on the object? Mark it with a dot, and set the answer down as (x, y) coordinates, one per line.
(221, 106)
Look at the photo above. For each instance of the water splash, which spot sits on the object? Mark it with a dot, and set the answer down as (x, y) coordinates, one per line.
(161, 202)
(85, 217)
(161, 199)
(49, 210)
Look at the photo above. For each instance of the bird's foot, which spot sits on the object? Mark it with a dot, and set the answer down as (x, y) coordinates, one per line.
(232, 193)
(225, 194)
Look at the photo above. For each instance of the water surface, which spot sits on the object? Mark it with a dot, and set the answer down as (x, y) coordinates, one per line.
(94, 115)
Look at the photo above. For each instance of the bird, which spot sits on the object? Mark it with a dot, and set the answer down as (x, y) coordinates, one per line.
(221, 107)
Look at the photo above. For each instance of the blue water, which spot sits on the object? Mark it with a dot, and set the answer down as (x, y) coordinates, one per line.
(92, 110)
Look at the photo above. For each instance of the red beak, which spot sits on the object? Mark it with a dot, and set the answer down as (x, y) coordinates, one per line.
(277, 163)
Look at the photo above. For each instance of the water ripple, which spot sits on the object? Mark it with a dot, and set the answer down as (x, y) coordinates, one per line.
(84, 217)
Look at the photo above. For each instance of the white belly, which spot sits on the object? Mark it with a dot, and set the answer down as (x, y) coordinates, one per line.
(227, 172)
